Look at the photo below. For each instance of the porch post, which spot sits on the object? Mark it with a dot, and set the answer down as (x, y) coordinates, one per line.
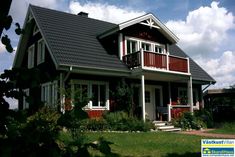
(61, 93)
(120, 45)
(190, 94)
(143, 96)
(141, 57)
(169, 104)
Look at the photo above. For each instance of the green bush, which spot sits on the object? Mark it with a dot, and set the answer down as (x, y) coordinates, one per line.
(189, 121)
(205, 116)
(120, 121)
(94, 124)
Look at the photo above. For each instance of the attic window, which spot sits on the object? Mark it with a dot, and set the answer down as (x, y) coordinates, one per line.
(41, 52)
(31, 57)
(35, 29)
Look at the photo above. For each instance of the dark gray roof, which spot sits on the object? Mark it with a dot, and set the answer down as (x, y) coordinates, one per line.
(197, 72)
(73, 39)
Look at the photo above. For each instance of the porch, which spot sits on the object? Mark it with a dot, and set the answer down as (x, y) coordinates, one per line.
(157, 101)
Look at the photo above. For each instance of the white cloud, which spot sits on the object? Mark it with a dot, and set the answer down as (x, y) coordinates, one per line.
(105, 11)
(204, 29)
(222, 68)
(19, 7)
(2, 48)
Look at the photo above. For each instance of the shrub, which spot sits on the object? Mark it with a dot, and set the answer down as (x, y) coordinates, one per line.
(205, 116)
(94, 124)
(189, 121)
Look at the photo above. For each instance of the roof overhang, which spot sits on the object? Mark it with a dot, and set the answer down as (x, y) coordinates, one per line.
(148, 20)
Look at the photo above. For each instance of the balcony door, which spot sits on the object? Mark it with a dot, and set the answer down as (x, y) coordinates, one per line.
(153, 99)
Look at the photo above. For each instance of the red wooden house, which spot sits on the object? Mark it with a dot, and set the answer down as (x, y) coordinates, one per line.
(92, 55)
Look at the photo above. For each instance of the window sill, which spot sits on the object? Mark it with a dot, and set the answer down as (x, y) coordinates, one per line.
(96, 108)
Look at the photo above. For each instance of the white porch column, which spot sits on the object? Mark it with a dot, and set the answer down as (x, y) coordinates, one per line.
(143, 96)
(61, 93)
(120, 45)
(190, 94)
(142, 57)
(169, 112)
(169, 104)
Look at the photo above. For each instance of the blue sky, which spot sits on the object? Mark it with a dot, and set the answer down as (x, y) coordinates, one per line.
(206, 28)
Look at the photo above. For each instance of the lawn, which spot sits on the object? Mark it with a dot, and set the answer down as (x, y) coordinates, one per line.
(150, 144)
(225, 128)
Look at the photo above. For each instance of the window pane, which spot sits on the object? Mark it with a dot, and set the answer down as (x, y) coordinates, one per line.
(134, 46)
(102, 95)
(160, 50)
(145, 46)
(94, 95)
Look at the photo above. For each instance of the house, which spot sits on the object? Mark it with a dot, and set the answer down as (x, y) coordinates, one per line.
(92, 55)
(221, 102)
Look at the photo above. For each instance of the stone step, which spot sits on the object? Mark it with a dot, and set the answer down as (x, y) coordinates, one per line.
(172, 130)
(165, 127)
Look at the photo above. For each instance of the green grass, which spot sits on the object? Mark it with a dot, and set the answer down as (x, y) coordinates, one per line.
(225, 128)
(150, 144)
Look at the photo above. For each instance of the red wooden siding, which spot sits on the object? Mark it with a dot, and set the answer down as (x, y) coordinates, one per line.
(95, 113)
(155, 60)
(178, 64)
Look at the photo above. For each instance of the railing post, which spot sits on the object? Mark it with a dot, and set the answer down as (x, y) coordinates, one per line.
(167, 61)
(120, 45)
(188, 64)
(169, 112)
(142, 58)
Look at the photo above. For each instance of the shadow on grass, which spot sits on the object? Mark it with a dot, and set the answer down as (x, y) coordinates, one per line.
(187, 154)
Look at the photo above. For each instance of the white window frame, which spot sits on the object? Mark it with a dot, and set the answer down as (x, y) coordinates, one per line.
(139, 44)
(50, 95)
(25, 103)
(31, 52)
(40, 52)
(136, 47)
(90, 83)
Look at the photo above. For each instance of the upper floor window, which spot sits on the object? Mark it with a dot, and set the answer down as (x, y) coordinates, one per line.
(131, 46)
(134, 45)
(31, 56)
(25, 102)
(41, 52)
(159, 49)
(146, 46)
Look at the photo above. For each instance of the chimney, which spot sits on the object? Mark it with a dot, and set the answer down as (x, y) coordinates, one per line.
(83, 14)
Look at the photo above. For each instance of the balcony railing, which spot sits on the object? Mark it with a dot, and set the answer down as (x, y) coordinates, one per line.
(157, 61)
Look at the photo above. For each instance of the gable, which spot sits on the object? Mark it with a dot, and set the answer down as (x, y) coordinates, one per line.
(148, 20)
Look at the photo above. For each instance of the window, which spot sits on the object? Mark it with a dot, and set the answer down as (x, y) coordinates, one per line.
(41, 52)
(131, 46)
(96, 92)
(25, 103)
(135, 44)
(49, 93)
(31, 56)
(145, 46)
(183, 96)
(98, 95)
(159, 49)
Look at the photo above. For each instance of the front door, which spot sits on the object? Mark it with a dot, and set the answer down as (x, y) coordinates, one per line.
(153, 98)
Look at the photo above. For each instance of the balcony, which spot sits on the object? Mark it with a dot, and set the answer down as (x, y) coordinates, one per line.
(156, 61)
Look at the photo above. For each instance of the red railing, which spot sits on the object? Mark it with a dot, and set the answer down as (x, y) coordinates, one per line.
(156, 60)
(178, 64)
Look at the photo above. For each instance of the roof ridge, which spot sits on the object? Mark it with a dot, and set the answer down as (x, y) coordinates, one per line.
(71, 14)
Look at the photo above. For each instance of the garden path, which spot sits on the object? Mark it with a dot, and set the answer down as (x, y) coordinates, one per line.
(206, 134)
